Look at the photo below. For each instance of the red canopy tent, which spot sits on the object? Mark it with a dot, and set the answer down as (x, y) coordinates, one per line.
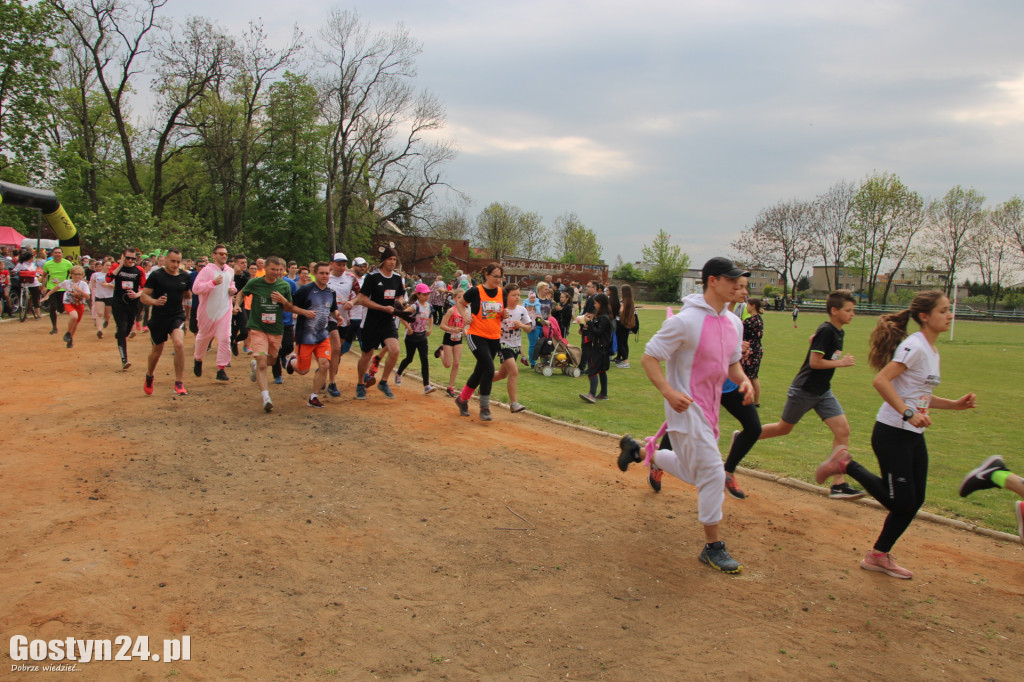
(10, 237)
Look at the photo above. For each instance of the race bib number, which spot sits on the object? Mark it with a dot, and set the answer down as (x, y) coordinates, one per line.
(490, 310)
(389, 294)
(126, 284)
(268, 318)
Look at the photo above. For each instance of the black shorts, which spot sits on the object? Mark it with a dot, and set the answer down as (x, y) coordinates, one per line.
(375, 335)
(509, 352)
(447, 340)
(160, 328)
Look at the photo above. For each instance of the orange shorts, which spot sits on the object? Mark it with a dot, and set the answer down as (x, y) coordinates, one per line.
(80, 309)
(261, 343)
(308, 351)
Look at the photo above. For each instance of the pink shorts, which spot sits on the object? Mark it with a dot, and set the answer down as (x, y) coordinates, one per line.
(261, 343)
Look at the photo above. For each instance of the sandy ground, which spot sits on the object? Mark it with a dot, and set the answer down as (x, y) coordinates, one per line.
(387, 539)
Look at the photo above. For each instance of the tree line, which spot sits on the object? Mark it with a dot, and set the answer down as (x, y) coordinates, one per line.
(879, 226)
(154, 132)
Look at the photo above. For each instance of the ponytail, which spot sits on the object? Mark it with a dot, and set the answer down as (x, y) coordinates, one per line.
(892, 329)
(887, 335)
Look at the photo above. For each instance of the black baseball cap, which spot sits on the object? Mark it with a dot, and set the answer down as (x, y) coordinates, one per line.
(721, 267)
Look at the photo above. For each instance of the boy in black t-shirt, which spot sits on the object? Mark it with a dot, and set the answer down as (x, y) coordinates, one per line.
(382, 293)
(811, 388)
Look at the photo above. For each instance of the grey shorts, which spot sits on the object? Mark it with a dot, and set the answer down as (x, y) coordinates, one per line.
(799, 403)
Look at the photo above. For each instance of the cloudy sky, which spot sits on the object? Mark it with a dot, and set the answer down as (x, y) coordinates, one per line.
(691, 116)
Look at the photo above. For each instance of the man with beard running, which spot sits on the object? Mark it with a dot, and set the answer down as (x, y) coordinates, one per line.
(128, 280)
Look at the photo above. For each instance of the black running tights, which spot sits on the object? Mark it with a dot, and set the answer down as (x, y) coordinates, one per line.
(750, 423)
(903, 462)
(418, 342)
(484, 351)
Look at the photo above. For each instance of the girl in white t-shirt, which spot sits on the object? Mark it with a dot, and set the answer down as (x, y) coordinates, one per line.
(102, 292)
(908, 374)
(512, 328)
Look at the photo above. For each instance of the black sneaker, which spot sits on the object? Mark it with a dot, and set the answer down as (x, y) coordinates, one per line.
(717, 556)
(437, 353)
(70, 343)
(385, 389)
(234, 349)
(67, 337)
(844, 491)
(332, 390)
(222, 375)
(629, 452)
(981, 477)
(197, 368)
(463, 407)
(288, 366)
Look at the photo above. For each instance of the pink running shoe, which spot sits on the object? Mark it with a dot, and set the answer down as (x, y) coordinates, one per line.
(882, 562)
(834, 465)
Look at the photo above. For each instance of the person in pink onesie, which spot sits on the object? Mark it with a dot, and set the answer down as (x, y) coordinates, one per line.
(701, 348)
(214, 286)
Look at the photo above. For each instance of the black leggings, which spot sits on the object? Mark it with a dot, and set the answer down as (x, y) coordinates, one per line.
(622, 339)
(124, 317)
(418, 342)
(484, 351)
(903, 462)
(287, 346)
(601, 377)
(750, 422)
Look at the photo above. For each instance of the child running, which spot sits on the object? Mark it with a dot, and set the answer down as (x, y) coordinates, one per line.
(812, 387)
(908, 374)
(416, 334)
(512, 328)
(701, 347)
(450, 351)
(992, 473)
(74, 293)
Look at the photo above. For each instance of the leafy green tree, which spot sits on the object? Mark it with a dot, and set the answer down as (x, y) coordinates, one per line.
(628, 272)
(887, 217)
(27, 71)
(574, 242)
(444, 265)
(286, 215)
(670, 263)
(506, 230)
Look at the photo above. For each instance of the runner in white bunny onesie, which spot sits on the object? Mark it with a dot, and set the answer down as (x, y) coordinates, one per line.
(214, 286)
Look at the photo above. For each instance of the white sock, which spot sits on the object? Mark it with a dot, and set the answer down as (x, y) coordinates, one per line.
(266, 396)
(313, 395)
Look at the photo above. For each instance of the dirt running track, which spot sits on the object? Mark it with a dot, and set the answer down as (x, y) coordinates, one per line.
(394, 540)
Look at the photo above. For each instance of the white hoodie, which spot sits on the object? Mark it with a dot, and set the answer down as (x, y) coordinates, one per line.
(697, 346)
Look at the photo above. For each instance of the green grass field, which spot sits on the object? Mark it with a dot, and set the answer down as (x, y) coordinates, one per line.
(984, 358)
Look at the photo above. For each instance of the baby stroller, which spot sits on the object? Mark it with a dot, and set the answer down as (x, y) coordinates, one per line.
(555, 353)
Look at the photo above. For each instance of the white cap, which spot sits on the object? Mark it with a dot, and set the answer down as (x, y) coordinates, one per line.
(359, 261)
(340, 256)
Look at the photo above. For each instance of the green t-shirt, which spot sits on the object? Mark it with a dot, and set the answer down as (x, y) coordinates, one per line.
(58, 272)
(265, 315)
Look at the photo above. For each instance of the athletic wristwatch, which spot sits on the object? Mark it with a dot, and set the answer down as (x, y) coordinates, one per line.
(908, 414)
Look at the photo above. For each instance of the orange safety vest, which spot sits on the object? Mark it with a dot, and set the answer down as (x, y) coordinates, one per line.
(487, 323)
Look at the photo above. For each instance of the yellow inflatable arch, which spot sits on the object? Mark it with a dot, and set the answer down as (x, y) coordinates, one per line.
(54, 214)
